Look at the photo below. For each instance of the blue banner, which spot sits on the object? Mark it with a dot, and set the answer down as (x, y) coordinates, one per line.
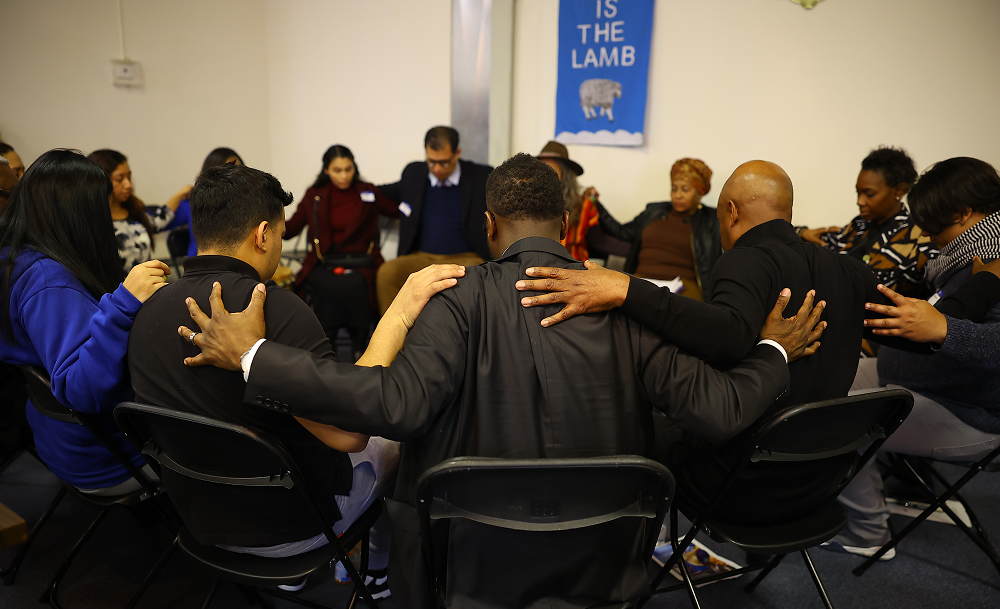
(603, 69)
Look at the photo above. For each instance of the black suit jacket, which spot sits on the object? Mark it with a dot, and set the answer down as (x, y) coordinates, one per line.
(411, 188)
(479, 375)
(746, 283)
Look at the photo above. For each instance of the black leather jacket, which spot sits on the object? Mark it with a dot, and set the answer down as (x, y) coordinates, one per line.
(705, 241)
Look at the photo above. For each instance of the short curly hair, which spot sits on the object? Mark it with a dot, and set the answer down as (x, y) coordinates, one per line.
(893, 164)
(524, 188)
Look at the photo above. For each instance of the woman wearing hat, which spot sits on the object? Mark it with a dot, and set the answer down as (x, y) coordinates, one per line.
(582, 208)
(676, 238)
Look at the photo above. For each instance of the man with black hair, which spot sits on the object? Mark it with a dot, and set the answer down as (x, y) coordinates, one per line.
(238, 222)
(478, 375)
(13, 159)
(442, 201)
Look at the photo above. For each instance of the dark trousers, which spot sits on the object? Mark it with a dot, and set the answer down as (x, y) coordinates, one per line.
(342, 301)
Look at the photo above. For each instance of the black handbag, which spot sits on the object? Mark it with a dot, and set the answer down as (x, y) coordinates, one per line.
(331, 260)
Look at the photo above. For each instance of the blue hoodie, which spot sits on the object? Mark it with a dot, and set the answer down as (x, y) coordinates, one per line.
(81, 343)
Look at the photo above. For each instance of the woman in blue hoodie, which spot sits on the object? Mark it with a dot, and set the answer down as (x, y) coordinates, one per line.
(64, 307)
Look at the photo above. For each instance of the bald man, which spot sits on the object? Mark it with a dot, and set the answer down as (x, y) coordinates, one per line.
(763, 255)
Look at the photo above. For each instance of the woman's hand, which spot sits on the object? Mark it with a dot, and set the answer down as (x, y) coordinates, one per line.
(910, 318)
(591, 291)
(591, 193)
(813, 235)
(146, 278)
(419, 288)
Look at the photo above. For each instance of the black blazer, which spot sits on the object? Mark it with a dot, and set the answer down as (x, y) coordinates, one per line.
(411, 188)
(746, 283)
(479, 375)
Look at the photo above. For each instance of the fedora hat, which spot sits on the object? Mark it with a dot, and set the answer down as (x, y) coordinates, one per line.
(555, 150)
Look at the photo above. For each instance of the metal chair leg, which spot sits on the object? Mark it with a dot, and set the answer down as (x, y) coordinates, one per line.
(211, 594)
(364, 569)
(938, 502)
(675, 557)
(51, 591)
(152, 575)
(678, 550)
(771, 564)
(815, 578)
(11, 571)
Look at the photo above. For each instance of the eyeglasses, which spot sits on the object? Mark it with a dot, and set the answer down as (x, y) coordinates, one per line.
(5, 194)
(431, 162)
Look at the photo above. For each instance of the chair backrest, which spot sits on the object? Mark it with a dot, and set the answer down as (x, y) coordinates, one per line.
(544, 495)
(819, 430)
(178, 241)
(39, 389)
(214, 452)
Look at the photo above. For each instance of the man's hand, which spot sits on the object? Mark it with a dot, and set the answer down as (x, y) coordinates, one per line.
(591, 291)
(992, 267)
(798, 335)
(419, 288)
(910, 318)
(225, 336)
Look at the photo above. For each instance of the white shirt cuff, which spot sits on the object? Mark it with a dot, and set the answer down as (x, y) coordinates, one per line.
(763, 342)
(246, 360)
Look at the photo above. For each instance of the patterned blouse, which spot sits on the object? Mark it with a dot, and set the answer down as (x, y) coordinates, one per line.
(135, 244)
(897, 254)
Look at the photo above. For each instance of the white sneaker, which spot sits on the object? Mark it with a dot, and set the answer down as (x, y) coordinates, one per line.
(836, 546)
(296, 586)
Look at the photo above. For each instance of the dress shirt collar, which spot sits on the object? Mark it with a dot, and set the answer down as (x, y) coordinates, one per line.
(536, 244)
(451, 180)
(208, 265)
(773, 230)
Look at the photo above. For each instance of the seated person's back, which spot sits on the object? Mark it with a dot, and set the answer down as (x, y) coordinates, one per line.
(161, 378)
(478, 375)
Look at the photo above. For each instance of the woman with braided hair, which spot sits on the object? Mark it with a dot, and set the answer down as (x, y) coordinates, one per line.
(675, 238)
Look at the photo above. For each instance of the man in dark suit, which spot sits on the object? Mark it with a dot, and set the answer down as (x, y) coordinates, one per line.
(478, 375)
(763, 255)
(442, 201)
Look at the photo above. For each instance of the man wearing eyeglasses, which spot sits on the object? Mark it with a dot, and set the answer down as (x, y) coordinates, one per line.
(8, 180)
(442, 201)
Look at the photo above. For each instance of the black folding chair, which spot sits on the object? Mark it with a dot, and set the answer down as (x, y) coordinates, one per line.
(178, 242)
(40, 394)
(976, 532)
(233, 456)
(543, 495)
(798, 433)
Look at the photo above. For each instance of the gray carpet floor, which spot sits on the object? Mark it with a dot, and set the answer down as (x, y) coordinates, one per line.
(937, 566)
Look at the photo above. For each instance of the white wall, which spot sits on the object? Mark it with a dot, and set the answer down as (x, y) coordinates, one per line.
(280, 81)
(372, 75)
(205, 83)
(814, 91)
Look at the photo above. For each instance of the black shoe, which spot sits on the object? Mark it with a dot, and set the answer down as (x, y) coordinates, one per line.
(378, 583)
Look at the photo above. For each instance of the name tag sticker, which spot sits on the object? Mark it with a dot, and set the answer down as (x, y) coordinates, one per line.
(368, 196)
(935, 297)
(405, 208)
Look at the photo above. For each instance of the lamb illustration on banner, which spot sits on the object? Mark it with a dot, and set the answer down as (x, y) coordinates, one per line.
(599, 93)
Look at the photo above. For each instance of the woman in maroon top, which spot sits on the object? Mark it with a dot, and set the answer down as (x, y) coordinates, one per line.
(338, 273)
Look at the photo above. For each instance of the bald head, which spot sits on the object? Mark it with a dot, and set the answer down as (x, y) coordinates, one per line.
(757, 192)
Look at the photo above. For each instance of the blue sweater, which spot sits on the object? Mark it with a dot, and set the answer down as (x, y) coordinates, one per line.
(963, 375)
(81, 343)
